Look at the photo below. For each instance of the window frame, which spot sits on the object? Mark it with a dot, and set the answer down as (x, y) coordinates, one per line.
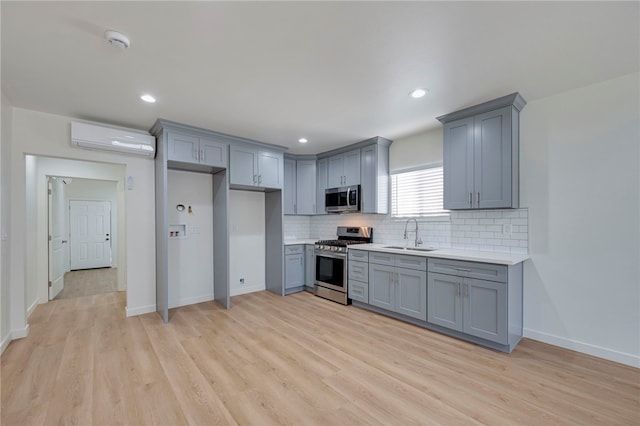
(443, 216)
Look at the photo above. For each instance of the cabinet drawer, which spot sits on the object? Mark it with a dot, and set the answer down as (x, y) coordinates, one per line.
(411, 262)
(382, 258)
(360, 255)
(358, 271)
(359, 291)
(295, 249)
(483, 271)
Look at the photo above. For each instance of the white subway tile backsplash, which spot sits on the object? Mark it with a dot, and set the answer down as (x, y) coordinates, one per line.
(464, 229)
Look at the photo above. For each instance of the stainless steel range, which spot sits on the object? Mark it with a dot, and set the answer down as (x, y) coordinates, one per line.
(331, 262)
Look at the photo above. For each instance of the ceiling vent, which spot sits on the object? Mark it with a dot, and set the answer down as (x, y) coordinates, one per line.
(117, 39)
(120, 140)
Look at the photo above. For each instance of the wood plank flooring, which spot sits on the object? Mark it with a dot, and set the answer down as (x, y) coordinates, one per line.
(87, 282)
(291, 360)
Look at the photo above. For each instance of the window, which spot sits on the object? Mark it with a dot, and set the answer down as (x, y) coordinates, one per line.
(418, 193)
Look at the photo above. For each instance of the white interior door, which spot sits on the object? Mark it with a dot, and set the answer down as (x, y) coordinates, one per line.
(56, 235)
(90, 234)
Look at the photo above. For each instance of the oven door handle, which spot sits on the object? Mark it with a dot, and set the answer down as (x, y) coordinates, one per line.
(323, 253)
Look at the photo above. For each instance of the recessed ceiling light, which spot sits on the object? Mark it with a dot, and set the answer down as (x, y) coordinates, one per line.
(303, 140)
(148, 98)
(418, 93)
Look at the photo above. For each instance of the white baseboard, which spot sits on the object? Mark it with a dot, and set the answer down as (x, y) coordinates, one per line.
(32, 308)
(140, 310)
(190, 301)
(244, 290)
(5, 342)
(20, 333)
(586, 348)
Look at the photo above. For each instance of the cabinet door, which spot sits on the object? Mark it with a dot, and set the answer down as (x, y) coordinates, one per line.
(213, 153)
(443, 301)
(382, 286)
(492, 159)
(306, 187)
(242, 166)
(352, 167)
(183, 148)
(309, 266)
(485, 310)
(369, 179)
(411, 294)
(294, 271)
(289, 191)
(321, 185)
(458, 164)
(335, 171)
(270, 173)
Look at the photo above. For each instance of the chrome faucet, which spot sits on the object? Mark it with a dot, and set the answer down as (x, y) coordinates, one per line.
(417, 241)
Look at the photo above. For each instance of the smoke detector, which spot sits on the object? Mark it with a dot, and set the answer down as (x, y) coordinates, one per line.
(117, 39)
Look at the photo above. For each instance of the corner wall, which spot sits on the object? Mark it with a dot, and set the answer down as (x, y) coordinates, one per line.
(580, 179)
(5, 220)
(48, 135)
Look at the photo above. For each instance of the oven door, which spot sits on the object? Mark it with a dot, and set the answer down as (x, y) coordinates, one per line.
(331, 270)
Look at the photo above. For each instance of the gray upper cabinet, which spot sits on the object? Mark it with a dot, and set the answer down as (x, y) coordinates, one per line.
(196, 150)
(306, 187)
(299, 186)
(289, 190)
(321, 185)
(374, 177)
(252, 166)
(480, 155)
(344, 169)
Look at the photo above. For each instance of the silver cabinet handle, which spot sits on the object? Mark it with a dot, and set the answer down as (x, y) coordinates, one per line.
(462, 269)
(478, 200)
(470, 202)
(64, 241)
(195, 154)
(202, 155)
(295, 208)
(255, 178)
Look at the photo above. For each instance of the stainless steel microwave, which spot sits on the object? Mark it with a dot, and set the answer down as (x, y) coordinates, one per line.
(345, 199)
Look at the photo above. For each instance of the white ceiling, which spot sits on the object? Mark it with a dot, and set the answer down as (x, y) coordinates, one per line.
(333, 72)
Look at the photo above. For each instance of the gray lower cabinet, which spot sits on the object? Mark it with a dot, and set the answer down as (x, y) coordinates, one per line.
(478, 299)
(294, 268)
(480, 155)
(397, 288)
(358, 276)
(309, 266)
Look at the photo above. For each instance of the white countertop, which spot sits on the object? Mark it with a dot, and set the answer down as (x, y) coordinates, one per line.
(299, 241)
(456, 254)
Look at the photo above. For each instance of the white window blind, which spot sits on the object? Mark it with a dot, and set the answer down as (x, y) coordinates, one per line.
(417, 193)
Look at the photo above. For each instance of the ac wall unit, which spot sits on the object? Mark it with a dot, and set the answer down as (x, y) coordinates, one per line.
(102, 138)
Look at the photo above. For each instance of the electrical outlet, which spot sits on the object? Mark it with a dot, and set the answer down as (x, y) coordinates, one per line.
(195, 230)
(241, 280)
(506, 229)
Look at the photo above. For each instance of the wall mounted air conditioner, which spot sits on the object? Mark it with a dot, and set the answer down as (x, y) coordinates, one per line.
(103, 138)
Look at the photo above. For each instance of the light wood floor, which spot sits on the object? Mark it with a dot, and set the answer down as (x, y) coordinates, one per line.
(291, 360)
(87, 282)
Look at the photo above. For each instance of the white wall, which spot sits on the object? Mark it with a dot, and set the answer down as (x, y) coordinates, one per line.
(96, 190)
(246, 241)
(580, 179)
(5, 195)
(416, 150)
(190, 258)
(49, 135)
